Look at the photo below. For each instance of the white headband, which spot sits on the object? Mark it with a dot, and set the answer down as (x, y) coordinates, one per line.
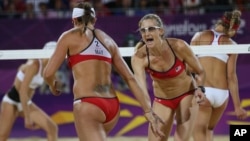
(78, 12)
(50, 45)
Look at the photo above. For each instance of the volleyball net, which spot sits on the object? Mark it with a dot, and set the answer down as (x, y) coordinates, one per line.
(125, 51)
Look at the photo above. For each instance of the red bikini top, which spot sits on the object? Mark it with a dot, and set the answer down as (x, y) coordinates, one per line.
(175, 70)
(95, 50)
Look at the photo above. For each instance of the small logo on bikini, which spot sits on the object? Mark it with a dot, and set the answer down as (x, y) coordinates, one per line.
(177, 69)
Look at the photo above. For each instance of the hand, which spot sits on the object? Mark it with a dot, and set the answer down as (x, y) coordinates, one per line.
(154, 123)
(29, 124)
(56, 88)
(241, 113)
(199, 96)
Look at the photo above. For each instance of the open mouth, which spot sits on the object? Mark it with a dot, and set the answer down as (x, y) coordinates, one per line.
(149, 40)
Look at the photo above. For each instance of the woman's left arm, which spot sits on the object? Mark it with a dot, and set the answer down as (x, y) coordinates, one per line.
(192, 61)
(194, 67)
(233, 86)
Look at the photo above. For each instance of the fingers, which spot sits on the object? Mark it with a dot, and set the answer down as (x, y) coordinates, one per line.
(242, 116)
(35, 127)
(156, 126)
(55, 90)
(200, 97)
(57, 93)
(160, 133)
(158, 118)
(157, 132)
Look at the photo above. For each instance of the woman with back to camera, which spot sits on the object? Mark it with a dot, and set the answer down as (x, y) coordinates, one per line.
(221, 77)
(166, 60)
(91, 53)
(17, 102)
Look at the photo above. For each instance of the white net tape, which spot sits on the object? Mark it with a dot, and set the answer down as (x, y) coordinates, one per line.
(126, 51)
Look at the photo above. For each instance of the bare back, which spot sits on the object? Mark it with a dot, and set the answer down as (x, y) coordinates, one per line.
(91, 76)
(216, 69)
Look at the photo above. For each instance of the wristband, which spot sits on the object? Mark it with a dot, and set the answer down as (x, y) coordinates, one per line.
(202, 88)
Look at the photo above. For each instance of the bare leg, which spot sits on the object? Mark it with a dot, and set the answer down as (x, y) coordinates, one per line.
(200, 130)
(186, 116)
(210, 135)
(217, 113)
(167, 115)
(8, 116)
(45, 122)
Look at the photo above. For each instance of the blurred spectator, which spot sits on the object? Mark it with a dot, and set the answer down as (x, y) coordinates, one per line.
(36, 4)
(128, 7)
(192, 7)
(115, 7)
(61, 8)
(142, 8)
(59, 4)
(12, 8)
(242, 5)
(20, 5)
(162, 7)
(30, 12)
(45, 13)
(214, 6)
(175, 6)
(72, 4)
(106, 1)
(29, 9)
(101, 9)
(223, 5)
(206, 4)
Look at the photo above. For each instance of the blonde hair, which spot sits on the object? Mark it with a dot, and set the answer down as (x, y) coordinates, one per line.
(230, 21)
(151, 17)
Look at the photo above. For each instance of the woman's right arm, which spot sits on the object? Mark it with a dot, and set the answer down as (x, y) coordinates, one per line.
(139, 73)
(137, 88)
(31, 69)
(54, 63)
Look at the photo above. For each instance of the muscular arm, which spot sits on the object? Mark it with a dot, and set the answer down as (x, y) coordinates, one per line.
(55, 61)
(233, 80)
(128, 76)
(192, 61)
(139, 72)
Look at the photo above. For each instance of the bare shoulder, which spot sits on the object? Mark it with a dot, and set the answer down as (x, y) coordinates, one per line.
(180, 47)
(140, 50)
(203, 33)
(177, 44)
(107, 40)
(202, 38)
(72, 31)
(225, 40)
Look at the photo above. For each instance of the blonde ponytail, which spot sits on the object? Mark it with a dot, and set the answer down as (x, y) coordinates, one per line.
(235, 16)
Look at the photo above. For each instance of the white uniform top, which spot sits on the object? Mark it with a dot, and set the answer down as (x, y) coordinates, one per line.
(222, 57)
(36, 81)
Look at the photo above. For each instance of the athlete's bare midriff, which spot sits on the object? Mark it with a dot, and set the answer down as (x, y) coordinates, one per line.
(172, 87)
